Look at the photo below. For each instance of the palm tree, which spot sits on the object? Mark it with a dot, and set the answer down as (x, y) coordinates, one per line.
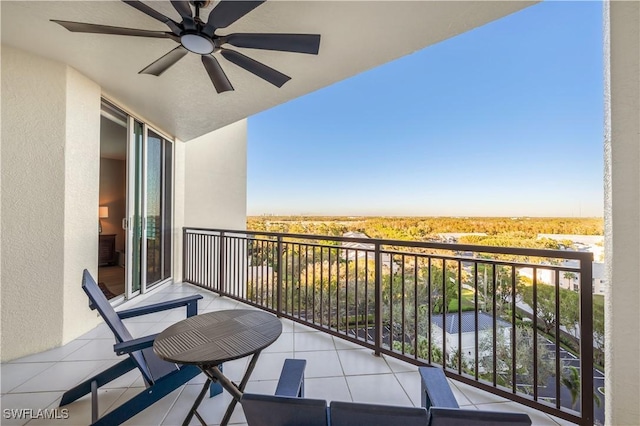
(571, 380)
(570, 276)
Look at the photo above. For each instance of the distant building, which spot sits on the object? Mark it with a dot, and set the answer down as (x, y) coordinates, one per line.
(570, 280)
(352, 250)
(467, 327)
(592, 243)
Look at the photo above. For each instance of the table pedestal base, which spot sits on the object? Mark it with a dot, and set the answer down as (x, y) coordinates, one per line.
(214, 374)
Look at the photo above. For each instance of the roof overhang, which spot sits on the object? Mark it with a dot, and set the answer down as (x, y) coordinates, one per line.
(356, 36)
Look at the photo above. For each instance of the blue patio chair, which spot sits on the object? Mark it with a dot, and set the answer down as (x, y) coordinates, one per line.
(160, 377)
(288, 407)
(444, 410)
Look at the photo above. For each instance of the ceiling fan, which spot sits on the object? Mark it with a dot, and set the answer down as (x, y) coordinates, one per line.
(197, 36)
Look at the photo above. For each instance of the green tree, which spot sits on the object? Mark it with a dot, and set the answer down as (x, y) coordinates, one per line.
(545, 306)
(569, 309)
(524, 358)
(570, 276)
(598, 333)
(571, 380)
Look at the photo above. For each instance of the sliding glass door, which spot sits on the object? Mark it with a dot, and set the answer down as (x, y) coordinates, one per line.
(150, 206)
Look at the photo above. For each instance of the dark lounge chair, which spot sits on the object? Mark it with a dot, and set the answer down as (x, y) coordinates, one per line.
(288, 407)
(160, 377)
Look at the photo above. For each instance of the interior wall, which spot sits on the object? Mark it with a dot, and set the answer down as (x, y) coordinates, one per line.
(113, 191)
(215, 180)
(622, 211)
(49, 192)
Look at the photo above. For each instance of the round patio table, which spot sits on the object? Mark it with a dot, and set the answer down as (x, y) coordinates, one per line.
(208, 340)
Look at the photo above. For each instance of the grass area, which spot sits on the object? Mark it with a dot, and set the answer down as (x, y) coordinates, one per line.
(467, 302)
(598, 300)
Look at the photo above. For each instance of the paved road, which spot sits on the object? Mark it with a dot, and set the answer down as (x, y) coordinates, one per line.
(549, 391)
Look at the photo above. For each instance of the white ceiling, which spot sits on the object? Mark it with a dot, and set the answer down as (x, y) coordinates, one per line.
(356, 36)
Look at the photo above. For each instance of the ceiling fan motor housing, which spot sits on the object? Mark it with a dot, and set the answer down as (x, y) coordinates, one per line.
(197, 43)
(201, 3)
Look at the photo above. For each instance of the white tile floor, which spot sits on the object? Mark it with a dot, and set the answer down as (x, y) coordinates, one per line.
(336, 370)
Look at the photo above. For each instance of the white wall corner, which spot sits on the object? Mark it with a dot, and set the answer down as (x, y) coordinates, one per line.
(178, 206)
(216, 179)
(622, 211)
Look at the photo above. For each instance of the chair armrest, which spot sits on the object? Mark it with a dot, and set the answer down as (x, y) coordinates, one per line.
(135, 344)
(291, 381)
(191, 302)
(435, 389)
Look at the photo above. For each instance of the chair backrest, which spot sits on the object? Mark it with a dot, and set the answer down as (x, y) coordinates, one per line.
(271, 410)
(358, 414)
(438, 392)
(147, 361)
(460, 417)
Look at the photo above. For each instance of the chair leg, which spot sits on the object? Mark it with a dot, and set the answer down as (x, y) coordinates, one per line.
(101, 379)
(147, 397)
(94, 402)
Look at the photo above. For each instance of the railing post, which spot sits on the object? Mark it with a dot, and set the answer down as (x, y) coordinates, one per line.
(221, 270)
(378, 300)
(586, 338)
(279, 277)
(184, 254)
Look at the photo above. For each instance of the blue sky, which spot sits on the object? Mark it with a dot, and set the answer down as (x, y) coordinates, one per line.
(504, 120)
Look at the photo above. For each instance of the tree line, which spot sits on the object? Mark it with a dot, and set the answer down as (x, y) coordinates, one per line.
(426, 228)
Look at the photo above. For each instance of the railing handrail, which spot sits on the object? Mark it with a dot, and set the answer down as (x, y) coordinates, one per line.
(522, 251)
(200, 244)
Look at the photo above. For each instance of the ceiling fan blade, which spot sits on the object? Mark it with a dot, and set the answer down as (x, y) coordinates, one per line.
(216, 74)
(164, 63)
(261, 70)
(173, 26)
(81, 27)
(300, 43)
(183, 8)
(227, 12)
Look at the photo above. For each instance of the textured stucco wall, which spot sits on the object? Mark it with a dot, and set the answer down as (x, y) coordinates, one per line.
(216, 179)
(49, 179)
(82, 174)
(622, 212)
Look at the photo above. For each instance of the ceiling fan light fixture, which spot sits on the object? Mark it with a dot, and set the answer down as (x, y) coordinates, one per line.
(197, 44)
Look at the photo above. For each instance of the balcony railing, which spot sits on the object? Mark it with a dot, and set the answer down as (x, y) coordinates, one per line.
(496, 318)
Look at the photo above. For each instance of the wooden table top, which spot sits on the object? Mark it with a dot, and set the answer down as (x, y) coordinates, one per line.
(215, 337)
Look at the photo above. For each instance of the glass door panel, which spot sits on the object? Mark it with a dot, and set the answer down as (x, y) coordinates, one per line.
(158, 195)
